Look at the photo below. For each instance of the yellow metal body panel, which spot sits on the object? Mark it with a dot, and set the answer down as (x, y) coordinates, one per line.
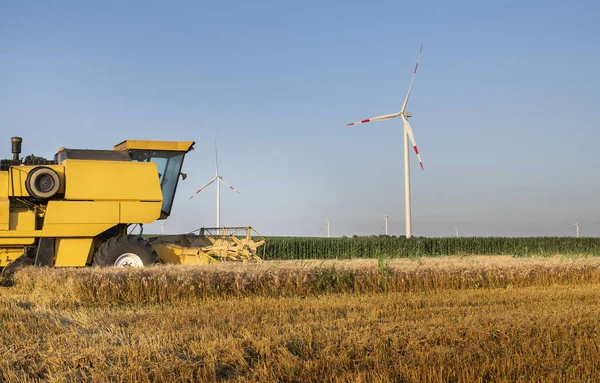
(112, 181)
(75, 230)
(26, 237)
(22, 219)
(4, 213)
(18, 174)
(4, 202)
(17, 238)
(3, 184)
(79, 218)
(177, 146)
(82, 212)
(76, 219)
(90, 218)
(139, 212)
(73, 251)
(179, 255)
(8, 254)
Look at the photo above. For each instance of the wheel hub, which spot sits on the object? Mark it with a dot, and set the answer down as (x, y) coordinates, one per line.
(129, 260)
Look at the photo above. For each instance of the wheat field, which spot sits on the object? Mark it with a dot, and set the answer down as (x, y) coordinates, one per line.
(467, 319)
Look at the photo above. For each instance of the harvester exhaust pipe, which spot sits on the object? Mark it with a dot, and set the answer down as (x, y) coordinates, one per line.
(16, 147)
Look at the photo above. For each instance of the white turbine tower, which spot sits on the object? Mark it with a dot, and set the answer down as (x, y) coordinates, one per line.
(219, 180)
(385, 220)
(456, 231)
(408, 134)
(327, 225)
(577, 232)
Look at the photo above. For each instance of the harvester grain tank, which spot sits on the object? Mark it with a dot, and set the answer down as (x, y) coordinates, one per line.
(75, 210)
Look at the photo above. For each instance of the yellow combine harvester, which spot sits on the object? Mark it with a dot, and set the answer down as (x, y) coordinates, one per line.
(75, 210)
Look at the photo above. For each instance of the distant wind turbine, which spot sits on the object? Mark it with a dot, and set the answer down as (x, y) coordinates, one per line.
(385, 221)
(327, 225)
(219, 180)
(577, 232)
(456, 231)
(408, 133)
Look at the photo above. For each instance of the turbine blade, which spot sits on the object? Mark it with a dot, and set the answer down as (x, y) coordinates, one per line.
(323, 228)
(231, 187)
(379, 118)
(412, 139)
(413, 80)
(199, 190)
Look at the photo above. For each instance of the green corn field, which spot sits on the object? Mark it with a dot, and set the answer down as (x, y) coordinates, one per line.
(282, 248)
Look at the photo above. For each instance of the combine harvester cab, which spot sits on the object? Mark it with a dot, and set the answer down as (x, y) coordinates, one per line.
(75, 210)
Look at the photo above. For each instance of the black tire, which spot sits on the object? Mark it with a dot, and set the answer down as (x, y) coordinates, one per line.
(118, 247)
(42, 183)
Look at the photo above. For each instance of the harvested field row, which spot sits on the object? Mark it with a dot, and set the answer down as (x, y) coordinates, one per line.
(168, 284)
(472, 319)
(529, 334)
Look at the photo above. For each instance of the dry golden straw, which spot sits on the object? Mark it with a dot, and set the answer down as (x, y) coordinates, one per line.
(466, 319)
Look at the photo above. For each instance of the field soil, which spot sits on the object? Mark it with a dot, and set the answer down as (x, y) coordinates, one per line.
(452, 319)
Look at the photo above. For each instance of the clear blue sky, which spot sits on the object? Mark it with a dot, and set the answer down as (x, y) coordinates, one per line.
(505, 106)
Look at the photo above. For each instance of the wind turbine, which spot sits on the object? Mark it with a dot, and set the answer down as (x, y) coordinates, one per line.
(577, 232)
(219, 180)
(327, 224)
(385, 220)
(408, 134)
(456, 231)
(162, 227)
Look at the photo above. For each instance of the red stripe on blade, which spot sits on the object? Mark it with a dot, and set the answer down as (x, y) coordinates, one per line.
(416, 66)
(422, 166)
(367, 120)
(416, 150)
(350, 124)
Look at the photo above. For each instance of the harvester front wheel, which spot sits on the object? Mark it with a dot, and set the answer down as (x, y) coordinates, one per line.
(125, 251)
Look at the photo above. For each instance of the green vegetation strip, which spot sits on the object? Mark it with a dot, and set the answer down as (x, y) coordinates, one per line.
(282, 248)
